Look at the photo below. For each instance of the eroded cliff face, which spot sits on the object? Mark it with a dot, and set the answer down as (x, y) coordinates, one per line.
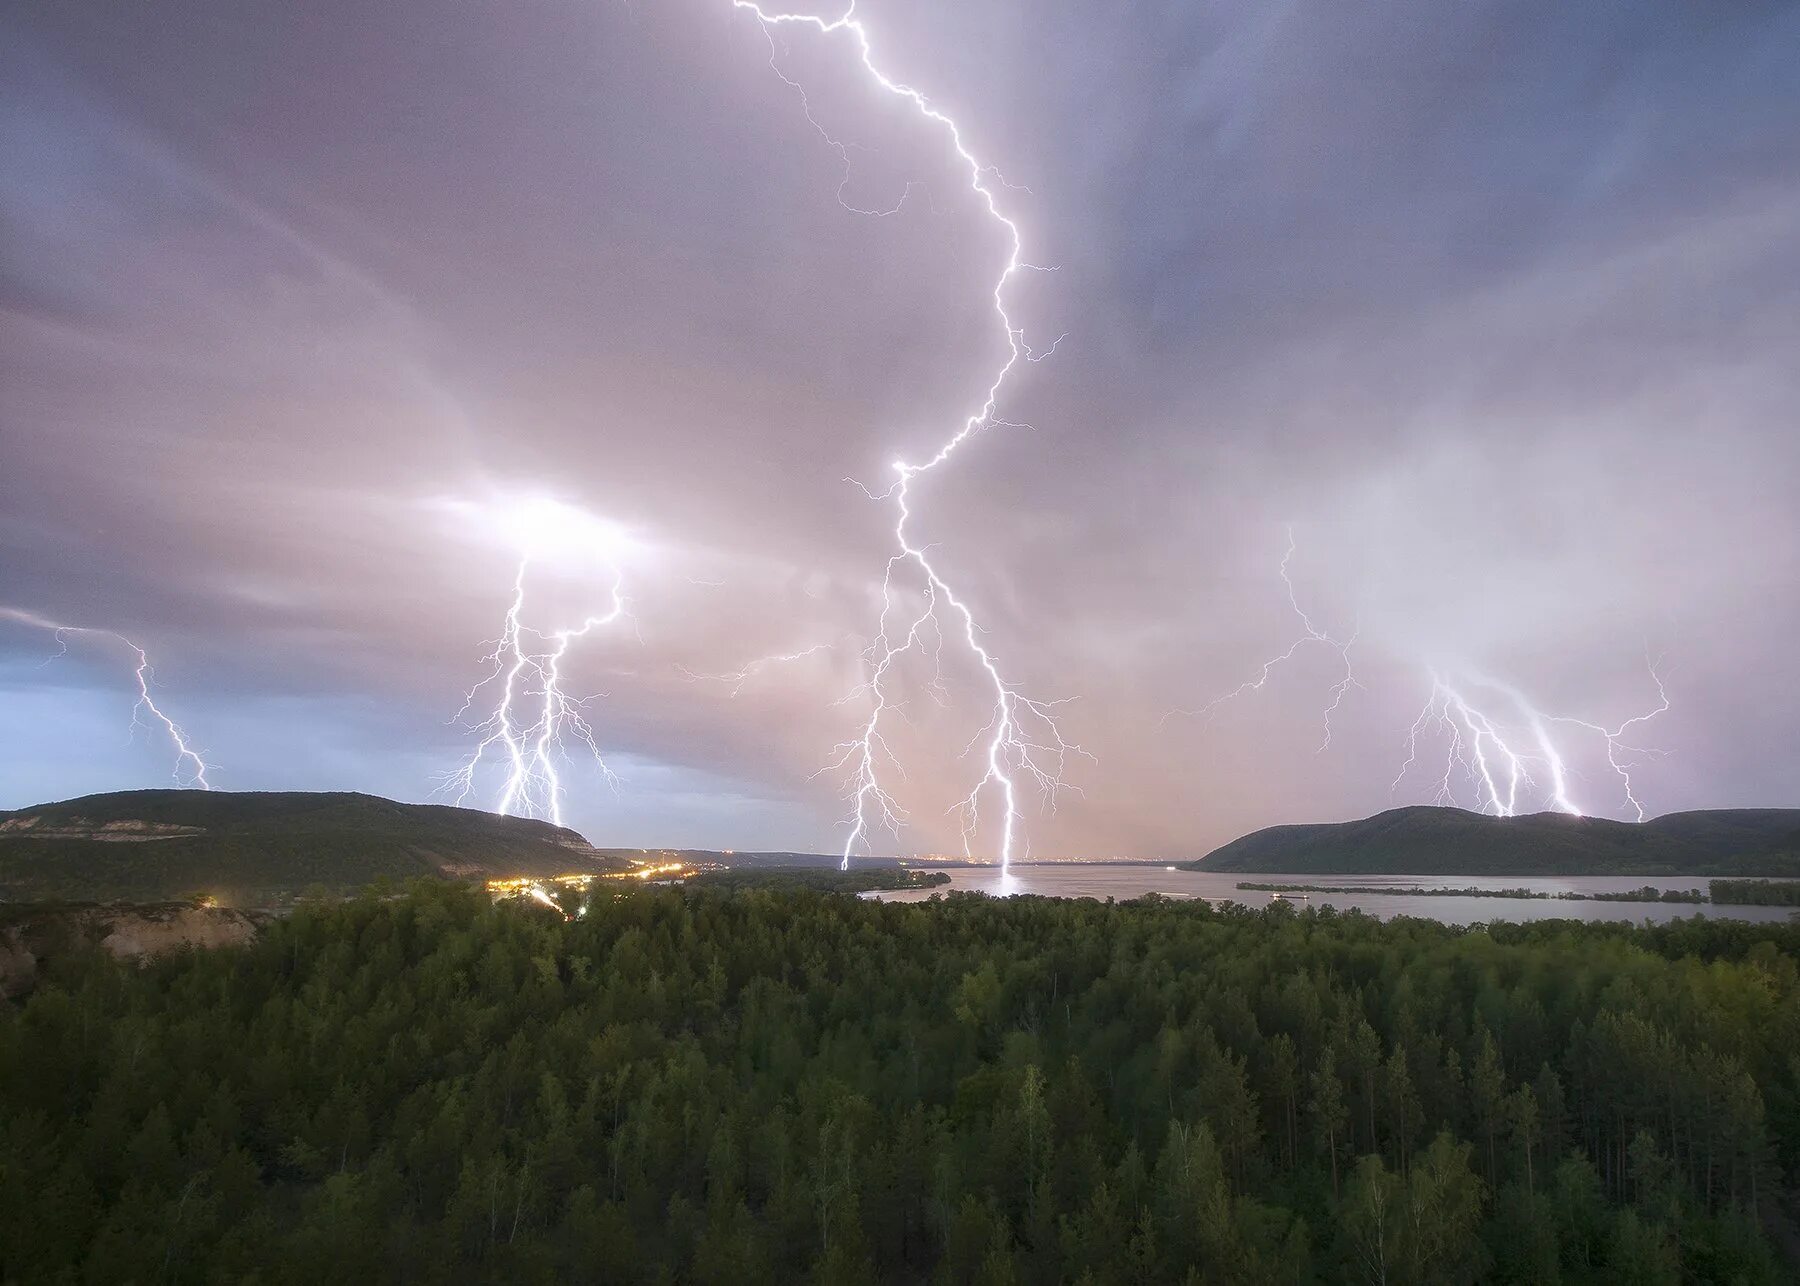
(135, 933)
(34, 826)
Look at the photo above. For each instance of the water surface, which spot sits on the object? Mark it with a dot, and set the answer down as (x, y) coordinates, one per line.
(1122, 880)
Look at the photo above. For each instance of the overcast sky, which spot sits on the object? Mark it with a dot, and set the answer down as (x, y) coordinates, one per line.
(1495, 306)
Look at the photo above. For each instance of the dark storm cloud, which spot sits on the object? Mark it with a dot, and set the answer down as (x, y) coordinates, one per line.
(1496, 306)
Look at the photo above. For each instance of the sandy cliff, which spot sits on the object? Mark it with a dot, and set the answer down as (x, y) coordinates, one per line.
(135, 933)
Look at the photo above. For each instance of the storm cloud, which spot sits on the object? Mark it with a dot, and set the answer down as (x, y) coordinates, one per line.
(1495, 308)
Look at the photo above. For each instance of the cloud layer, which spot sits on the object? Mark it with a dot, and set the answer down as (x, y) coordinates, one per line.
(1496, 310)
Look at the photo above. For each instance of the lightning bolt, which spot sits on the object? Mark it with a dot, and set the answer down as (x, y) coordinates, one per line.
(190, 767)
(1310, 634)
(1499, 754)
(1494, 738)
(739, 678)
(1020, 741)
(532, 723)
(1615, 745)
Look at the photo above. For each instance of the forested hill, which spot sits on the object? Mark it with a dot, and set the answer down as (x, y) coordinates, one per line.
(1452, 841)
(148, 845)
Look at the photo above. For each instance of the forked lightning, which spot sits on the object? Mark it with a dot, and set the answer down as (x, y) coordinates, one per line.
(1310, 634)
(1502, 757)
(1020, 742)
(531, 723)
(190, 768)
(1498, 746)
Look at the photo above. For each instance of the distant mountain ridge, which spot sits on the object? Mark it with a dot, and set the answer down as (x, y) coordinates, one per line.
(1427, 840)
(153, 844)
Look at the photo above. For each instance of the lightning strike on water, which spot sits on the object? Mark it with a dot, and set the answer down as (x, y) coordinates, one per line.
(532, 723)
(1311, 634)
(1020, 741)
(190, 767)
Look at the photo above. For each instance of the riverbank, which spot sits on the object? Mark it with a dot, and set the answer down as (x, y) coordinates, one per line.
(1467, 900)
(1647, 893)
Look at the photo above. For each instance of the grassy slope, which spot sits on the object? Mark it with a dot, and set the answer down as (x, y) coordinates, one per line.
(1450, 841)
(258, 843)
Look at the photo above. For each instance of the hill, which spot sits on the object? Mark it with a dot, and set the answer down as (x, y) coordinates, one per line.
(1452, 841)
(256, 848)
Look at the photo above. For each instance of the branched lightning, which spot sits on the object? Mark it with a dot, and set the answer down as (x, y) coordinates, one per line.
(1020, 741)
(739, 678)
(532, 722)
(1500, 749)
(190, 767)
(1311, 635)
(1616, 746)
(1501, 756)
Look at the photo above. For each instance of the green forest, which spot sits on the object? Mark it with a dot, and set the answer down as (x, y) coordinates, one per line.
(785, 1085)
(824, 879)
(1757, 892)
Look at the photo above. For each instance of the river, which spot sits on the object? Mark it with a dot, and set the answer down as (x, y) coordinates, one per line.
(1122, 880)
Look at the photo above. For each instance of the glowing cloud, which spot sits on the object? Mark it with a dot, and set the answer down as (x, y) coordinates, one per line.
(531, 724)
